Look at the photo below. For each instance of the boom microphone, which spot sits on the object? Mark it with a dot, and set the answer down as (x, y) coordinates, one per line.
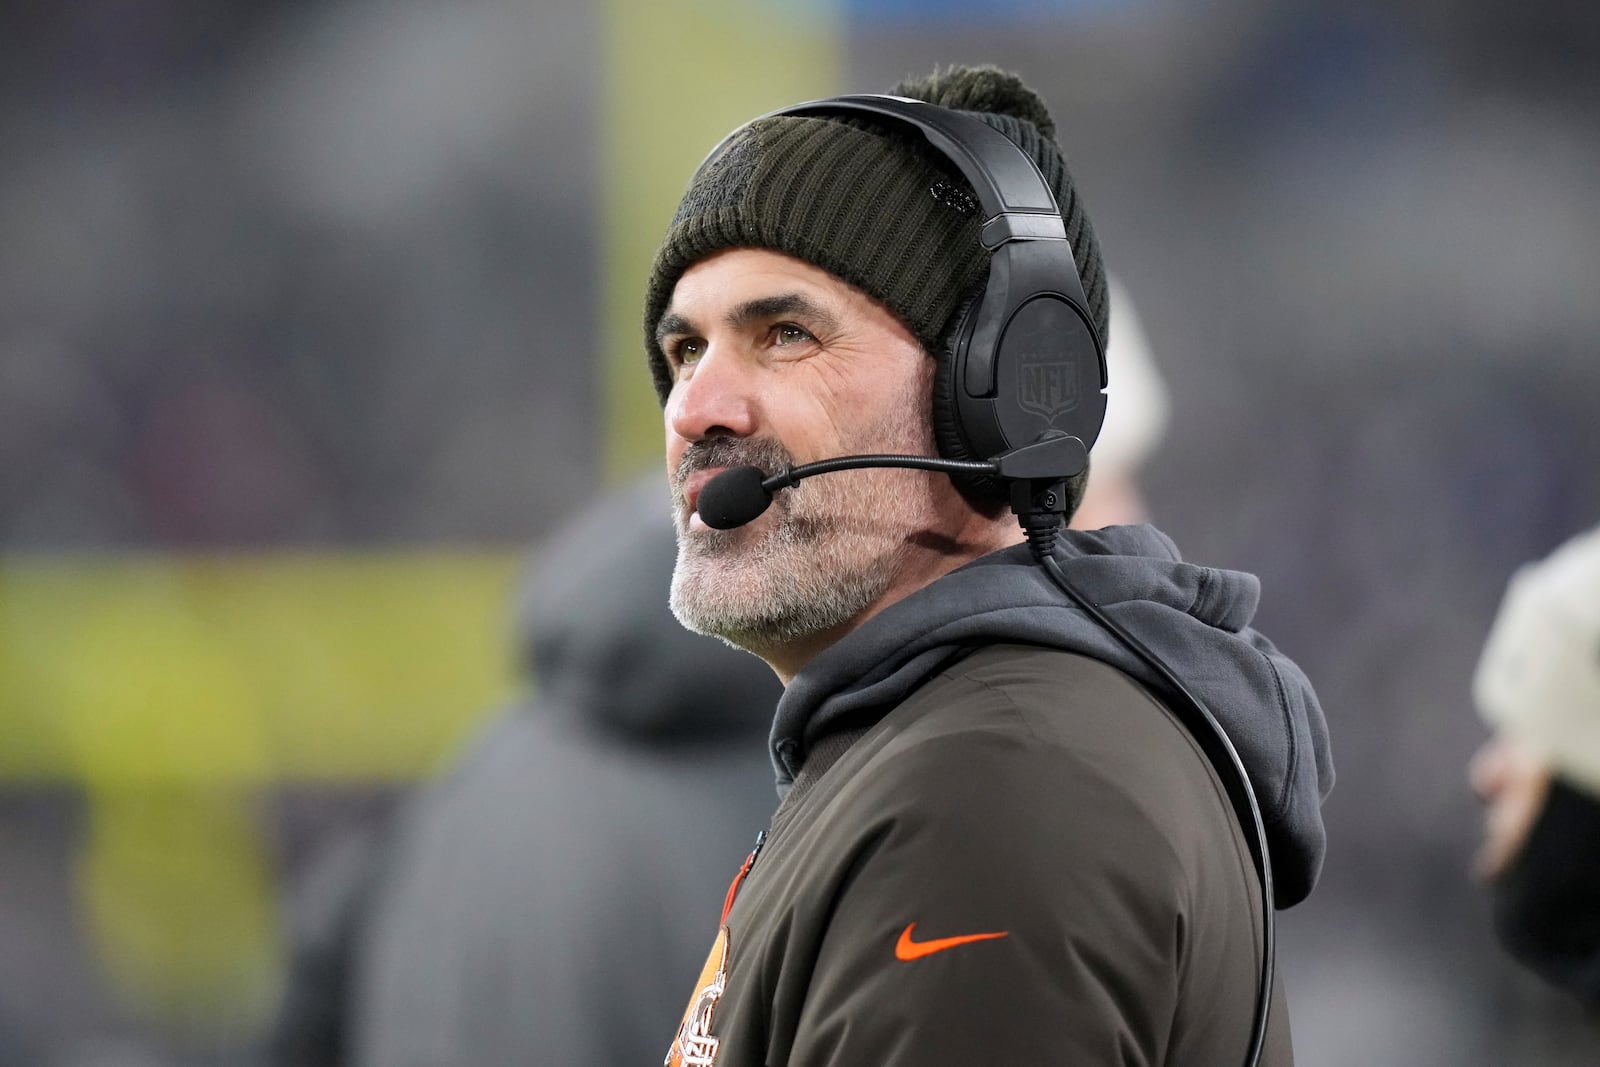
(739, 494)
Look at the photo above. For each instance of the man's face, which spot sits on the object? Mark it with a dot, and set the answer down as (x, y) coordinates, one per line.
(776, 362)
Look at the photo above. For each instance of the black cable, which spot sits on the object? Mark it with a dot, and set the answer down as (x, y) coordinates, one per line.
(1210, 736)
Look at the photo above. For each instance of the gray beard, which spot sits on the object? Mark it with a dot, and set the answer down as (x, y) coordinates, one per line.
(822, 562)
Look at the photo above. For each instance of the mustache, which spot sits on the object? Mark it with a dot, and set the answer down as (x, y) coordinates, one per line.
(767, 454)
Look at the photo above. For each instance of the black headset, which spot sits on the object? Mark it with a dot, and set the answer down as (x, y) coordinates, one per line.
(1022, 359)
(1018, 402)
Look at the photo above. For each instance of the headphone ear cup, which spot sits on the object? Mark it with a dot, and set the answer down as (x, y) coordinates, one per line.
(947, 430)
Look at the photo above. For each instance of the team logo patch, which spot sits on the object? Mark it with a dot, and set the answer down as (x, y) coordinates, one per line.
(694, 1046)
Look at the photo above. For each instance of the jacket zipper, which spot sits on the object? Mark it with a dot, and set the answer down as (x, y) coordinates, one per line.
(733, 890)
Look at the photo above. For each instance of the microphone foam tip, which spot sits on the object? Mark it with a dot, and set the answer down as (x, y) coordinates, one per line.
(733, 498)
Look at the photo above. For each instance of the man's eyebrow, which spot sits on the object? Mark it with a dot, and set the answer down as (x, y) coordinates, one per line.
(754, 311)
(672, 323)
(771, 307)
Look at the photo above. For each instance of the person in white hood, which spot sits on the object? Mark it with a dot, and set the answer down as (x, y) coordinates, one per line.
(1538, 685)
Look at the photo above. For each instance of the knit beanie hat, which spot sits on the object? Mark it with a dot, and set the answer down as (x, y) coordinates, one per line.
(871, 204)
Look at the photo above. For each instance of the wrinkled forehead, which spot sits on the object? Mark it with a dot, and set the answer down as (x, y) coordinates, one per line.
(739, 287)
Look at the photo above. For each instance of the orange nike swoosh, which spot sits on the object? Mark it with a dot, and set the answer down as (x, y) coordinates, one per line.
(907, 949)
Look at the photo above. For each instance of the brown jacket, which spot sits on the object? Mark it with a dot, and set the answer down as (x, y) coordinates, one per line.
(1028, 861)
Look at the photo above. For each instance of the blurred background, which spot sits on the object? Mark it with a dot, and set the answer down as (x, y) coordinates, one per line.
(315, 315)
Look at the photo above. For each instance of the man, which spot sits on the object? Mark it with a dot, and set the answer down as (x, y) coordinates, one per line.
(1538, 684)
(404, 946)
(996, 843)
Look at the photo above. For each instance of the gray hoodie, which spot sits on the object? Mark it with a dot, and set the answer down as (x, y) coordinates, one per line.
(1195, 618)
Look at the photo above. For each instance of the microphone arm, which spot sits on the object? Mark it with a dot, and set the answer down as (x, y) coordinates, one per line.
(791, 476)
(1037, 472)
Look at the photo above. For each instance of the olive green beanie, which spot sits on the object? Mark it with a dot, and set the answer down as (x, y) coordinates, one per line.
(876, 207)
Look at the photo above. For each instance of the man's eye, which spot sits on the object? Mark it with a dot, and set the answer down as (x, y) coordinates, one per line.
(787, 333)
(688, 351)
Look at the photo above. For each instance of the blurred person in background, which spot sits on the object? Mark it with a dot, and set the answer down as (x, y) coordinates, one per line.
(543, 902)
(1538, 685)
(1136, 421)
(969, 761)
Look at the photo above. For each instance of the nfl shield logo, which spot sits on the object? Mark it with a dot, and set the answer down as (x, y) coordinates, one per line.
(1047, 385)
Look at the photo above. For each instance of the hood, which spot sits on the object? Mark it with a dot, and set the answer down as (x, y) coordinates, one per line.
(1197, 619)
(596, 633)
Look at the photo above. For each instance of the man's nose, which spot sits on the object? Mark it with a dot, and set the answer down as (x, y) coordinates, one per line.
(716, 396)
